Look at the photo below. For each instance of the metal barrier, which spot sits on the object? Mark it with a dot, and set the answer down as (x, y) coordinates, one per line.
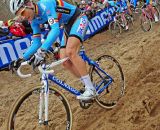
(4, 10)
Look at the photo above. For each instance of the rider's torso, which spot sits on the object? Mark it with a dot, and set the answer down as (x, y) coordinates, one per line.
(64, 11)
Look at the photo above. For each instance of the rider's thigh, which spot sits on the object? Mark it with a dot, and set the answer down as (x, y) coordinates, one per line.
(73, 45)
(76, 35)
(79, 28)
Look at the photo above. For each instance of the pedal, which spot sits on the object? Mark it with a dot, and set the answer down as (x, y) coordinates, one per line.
(87, 101)
(82, 90)
(85, 104)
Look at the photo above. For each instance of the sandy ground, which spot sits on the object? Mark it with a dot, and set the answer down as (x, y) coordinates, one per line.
(139, 109)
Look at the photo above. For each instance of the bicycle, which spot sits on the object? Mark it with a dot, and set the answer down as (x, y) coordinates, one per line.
(108, 92)
(118, 24)
(147, 18)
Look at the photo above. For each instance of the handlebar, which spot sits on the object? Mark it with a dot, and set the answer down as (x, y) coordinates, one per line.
(20, 74)
(44, 69)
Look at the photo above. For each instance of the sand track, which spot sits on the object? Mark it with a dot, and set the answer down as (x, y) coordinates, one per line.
(139, 109)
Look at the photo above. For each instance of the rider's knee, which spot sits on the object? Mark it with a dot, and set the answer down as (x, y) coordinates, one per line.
(70, 53)
(66, 64)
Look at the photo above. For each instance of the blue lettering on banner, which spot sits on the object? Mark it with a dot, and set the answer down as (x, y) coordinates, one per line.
(99, 22)
(12, 50)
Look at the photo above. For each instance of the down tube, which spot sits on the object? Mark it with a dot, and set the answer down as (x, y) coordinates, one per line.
(63, 85)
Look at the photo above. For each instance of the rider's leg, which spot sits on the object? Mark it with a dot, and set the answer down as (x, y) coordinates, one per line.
(68, 64)
(75, 37)
(72, 48)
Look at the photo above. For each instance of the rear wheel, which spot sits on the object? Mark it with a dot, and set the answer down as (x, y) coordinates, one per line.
(110, 96)
(146, 23)
(24, 113)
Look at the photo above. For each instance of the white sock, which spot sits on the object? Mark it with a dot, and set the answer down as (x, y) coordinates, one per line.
(155, 16)
(87, 81)
(82, 81)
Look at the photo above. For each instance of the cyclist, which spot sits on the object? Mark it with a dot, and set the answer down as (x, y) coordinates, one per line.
(148, 4)
(107, 5)
(120, 6)
(129, 8)
(56, 13)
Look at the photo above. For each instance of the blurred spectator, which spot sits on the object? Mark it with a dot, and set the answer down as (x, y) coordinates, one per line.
(90, 7)
(100, 4)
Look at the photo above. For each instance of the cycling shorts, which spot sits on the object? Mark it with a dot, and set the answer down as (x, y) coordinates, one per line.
(77, 27)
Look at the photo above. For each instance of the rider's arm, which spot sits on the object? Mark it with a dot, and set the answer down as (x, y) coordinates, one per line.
(54, 24)
(36, 38)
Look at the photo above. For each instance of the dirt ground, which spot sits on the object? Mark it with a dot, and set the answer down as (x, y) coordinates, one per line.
(139, 109)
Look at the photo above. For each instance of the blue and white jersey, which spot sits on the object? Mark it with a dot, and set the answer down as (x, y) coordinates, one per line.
(122, 4)
(55, 12)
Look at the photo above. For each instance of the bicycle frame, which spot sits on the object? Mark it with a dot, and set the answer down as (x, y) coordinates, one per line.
(120, 18)
(75, 91)
(148, 14)
(106, 80)
(45, 88)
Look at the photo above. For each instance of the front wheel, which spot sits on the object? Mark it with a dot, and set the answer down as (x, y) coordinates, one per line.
(115, 28)
(24, 113)
(110, 96)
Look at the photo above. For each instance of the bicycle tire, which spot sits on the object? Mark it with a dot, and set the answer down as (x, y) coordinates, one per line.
(18, 113)
(115, 28)
(146, 23)
(116, 89)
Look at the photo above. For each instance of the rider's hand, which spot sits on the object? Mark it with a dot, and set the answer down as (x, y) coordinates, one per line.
(38, 58)
(15, 64)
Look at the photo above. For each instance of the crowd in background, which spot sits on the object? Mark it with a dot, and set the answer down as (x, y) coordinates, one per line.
(91, 7)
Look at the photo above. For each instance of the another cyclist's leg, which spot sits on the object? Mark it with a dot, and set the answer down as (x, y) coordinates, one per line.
(76, 36)
(154, 13)
(129, 9)
(124, 20)
(130, 12)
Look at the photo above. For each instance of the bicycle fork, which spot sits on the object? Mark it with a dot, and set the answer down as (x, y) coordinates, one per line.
(43, 101)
